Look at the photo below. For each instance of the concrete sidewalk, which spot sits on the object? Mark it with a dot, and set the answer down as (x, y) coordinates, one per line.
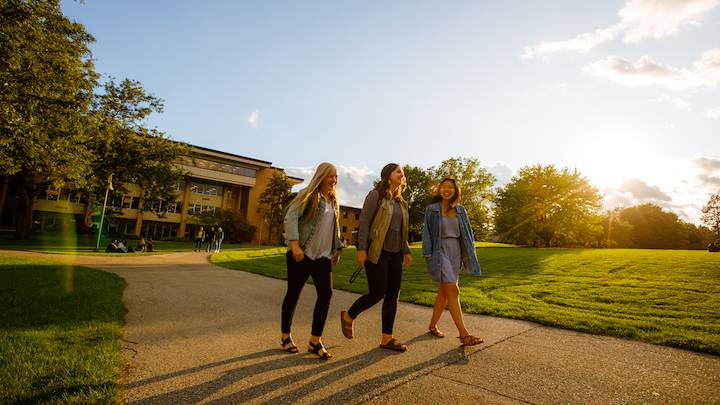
(197, 333)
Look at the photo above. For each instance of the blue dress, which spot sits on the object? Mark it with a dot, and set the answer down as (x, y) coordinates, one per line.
(450, 251)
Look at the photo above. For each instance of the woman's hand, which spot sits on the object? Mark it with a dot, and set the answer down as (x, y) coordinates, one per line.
(297, 253)
(361, 258)
(407, 260)
(336, 258)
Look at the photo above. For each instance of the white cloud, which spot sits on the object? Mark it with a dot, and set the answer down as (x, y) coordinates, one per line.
(253, 118)
(647, 72)
(503, 174)
(707, 164)
(581, 43)
(678, 102)
(353, 182)
(713, 113)
(681, 186)
(657, 19)
(709, 175)
(638, 20)
(640, 190)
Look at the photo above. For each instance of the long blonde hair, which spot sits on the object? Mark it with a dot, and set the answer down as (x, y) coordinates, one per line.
(311, 193)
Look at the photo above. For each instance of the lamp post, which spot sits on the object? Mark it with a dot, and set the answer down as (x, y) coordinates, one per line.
(102, 216)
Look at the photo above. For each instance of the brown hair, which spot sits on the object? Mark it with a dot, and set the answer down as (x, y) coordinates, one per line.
(383, 186)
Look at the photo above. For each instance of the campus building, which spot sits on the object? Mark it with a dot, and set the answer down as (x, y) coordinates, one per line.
(215, 181)
(349, 224)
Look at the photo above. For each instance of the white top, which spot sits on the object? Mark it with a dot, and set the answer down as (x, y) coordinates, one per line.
(320, 245)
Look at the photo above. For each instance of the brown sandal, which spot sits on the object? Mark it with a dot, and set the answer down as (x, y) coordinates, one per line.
(434, 331)
(394, 344)
(288, 345)
(470, 340)
(319, 350)
(347, 326)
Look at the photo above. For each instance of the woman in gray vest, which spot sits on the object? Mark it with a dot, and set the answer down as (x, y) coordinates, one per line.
(312, 233)
(448, 245)
(382, 249)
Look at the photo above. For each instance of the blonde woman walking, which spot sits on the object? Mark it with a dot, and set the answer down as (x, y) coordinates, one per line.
(312, 233)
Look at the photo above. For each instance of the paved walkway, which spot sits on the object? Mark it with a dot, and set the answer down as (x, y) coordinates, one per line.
(197, 333)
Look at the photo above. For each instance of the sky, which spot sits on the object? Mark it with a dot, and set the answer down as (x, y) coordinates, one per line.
(626, 92)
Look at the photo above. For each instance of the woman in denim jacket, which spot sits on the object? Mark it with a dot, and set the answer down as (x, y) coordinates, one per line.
(312, 233)
(448, 244)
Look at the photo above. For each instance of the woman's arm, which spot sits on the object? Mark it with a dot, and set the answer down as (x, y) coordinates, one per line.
(367, 214)
(427, 245)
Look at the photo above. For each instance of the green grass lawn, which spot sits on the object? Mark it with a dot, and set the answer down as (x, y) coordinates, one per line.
(59, 333)
(85, 245)
(666, 297)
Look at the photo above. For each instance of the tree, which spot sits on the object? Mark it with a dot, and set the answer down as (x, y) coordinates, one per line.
(476, 190)
(698, 237)
(616, 231)
(123, 147)
(418, 193)
(55, 131)
(48, 79)
(711, 214)
(273, 201)
(235, 226)
(654, 228)
(544, 205)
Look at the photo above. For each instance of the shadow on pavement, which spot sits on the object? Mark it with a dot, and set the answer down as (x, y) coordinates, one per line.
(304, 383)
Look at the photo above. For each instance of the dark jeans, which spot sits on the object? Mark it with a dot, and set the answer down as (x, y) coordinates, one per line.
(298, 273)
(198, 244)
(384, 283)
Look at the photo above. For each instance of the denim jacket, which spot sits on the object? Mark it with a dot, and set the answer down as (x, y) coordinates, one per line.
(301, 228)
(431, 241)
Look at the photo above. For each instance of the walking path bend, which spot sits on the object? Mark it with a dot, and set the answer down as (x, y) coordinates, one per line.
(198, 333)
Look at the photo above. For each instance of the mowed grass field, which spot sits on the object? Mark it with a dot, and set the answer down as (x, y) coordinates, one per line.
(59, 333)
(665, 297)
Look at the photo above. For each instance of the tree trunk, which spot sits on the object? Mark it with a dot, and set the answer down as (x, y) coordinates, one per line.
(26, 194)
(4, 186)
(87, 214)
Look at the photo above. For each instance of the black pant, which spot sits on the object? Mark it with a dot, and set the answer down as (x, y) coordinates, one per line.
(298, 272)
(198, 244)
(384, 282)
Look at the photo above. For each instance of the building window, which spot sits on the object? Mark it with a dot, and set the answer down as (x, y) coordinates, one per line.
(206, 189)
(357, 215)
(180, 186)
(52, 195)
(195, 209)
(127, 201)
(345, 215)
(175, 207)
(344, 229)
(220, 167)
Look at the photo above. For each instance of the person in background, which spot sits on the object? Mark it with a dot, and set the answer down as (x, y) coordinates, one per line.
(199, 238)
(210, 238)
(219, 236)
